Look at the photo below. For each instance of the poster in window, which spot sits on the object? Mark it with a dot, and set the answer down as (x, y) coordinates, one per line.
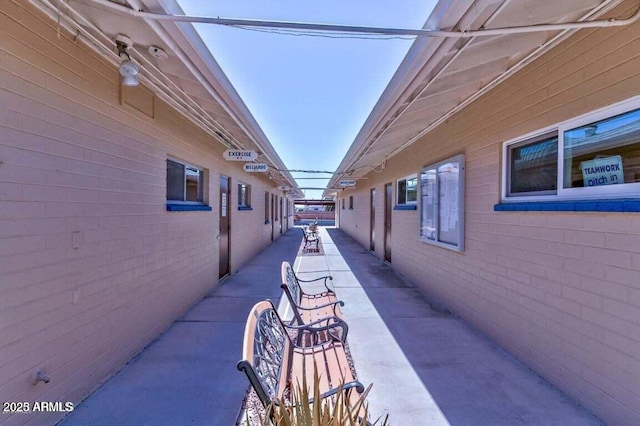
(448, 175)
(429, 194)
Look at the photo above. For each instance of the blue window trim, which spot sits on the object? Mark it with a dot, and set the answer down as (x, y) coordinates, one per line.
(623, 205)
(187, 207)
(245, 208)
(406, 207)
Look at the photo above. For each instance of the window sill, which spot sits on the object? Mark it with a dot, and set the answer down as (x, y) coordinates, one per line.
(621, 205)
(406, 207)
(245, 208)
(187, 207)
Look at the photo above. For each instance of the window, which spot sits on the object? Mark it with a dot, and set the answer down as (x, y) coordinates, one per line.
(593, 156)
(533, 166)
(350, 202)
(185, 183)
(244, 196)
(407, 190)
(442, 206)
(266, 208)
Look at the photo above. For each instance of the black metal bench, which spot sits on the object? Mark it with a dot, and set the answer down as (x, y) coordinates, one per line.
(309, 307)
(310, 239)
(274, 363)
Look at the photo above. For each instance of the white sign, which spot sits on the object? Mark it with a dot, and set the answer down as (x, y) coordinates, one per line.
(602, 171)
(238, 155)
(255, 167)
(223, 206)
(349, 182)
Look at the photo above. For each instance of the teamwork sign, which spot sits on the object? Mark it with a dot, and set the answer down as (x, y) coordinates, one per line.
(602, 171)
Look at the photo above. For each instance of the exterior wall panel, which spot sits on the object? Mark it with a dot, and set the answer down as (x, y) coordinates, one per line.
(559, 290)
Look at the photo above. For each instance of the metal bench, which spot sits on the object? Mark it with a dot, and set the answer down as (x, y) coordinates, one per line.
(310, 239)
(274, 363)
(309, 307)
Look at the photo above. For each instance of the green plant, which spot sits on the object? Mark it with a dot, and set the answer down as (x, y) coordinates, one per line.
(338, 410)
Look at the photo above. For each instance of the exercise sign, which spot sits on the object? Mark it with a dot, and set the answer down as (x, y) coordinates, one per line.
(238, 155)
(602, 171)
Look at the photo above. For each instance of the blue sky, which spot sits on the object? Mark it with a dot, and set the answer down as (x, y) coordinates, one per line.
(310, 95)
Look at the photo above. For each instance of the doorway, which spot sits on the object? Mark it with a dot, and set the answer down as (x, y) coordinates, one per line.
(225, 222)
(388, 206)
(273, 217)
(372, 221)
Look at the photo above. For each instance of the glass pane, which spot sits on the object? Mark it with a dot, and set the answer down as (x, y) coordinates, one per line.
(194, 184)
(448, 185)
(242, 195)
(412, 190)
(402, 191)
(175, 181)
(534, 167)
(429, 196)
(606, 152)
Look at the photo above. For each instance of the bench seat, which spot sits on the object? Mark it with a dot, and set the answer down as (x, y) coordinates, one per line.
(309, 306)
(276, 365)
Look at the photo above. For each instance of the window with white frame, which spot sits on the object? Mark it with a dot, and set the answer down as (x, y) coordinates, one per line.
(185, 183)
(244, 196)
(407, 190)
(442, 203)
(596, 155)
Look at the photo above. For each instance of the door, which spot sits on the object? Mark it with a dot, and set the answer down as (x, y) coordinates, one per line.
(280, 214)
(273, 216)
(388, 206)
(223, 236)
(372, 228)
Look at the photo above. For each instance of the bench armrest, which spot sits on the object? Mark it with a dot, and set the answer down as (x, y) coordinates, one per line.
(325, 278)
(359, 387)
(328, 324)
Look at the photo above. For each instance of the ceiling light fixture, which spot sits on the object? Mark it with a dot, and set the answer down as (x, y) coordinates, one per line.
(128, 70)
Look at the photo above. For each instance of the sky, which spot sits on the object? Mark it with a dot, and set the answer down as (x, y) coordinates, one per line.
(310, 95)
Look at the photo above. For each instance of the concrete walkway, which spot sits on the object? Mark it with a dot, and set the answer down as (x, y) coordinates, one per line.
(426, 366)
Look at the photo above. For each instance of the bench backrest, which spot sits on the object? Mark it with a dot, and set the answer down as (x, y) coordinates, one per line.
(266, 352)
(289, 278)
(291, 288)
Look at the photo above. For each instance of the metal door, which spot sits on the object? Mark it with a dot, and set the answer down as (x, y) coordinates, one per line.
(388, 206)
(273, 216)
(372, 229)
(225, 222)
(280, 215)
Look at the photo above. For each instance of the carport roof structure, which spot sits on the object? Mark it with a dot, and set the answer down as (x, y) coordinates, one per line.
(485, 42)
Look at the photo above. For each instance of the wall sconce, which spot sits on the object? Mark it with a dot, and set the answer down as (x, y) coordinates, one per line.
(128, 70)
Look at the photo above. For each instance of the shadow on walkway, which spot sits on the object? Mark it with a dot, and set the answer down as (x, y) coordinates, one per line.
(469, 380)
(427, 367)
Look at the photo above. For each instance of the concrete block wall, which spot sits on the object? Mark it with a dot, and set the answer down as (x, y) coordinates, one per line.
(92, 265)
(559, 290)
